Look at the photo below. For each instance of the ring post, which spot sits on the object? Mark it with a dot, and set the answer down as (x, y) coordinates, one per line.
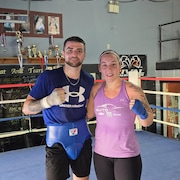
(134, 78)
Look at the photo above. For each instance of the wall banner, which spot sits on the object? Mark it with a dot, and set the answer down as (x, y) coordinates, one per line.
(130, 62)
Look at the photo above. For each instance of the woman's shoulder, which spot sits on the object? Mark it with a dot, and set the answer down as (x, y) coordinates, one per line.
(131, 85)
(96, 87)
(133, 90)
(97, 84)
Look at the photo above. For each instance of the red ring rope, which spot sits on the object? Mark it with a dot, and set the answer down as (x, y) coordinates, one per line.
(15, 85)
(159, 79)
(98, 80)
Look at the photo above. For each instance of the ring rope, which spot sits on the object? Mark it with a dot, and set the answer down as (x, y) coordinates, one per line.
(12, 101)
(161, 93)
(4, 86)
(166, 123)
(146, 91)
(98, 80)
(90, 122)
(163, 108)
(19, 117)
(159, 79)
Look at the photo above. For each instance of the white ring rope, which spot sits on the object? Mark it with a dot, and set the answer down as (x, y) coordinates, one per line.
(167, 123)
(162, 93)
(12, 101)
(145, 91)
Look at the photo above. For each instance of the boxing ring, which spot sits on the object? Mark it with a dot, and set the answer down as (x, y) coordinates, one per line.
(160, 154)
(133, 78)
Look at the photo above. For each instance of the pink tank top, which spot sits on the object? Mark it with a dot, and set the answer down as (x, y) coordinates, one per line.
(115, 135)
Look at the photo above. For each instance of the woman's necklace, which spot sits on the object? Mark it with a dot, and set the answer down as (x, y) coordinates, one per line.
(73, 84)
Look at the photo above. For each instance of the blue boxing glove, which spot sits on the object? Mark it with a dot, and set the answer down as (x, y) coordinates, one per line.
(139, 109)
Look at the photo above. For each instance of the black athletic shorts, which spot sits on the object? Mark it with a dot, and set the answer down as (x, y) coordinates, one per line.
(57, 162)
(117, 168)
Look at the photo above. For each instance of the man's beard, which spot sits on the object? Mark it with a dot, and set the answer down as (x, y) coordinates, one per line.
(74, 64)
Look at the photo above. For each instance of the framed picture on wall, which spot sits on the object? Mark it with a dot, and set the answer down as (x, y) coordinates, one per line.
(8, 26)
(46, 24)
(24, 27)
(53, 25)
(34, 24)
(39, 24)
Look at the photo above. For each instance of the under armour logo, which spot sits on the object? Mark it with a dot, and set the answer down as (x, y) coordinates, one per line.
(74, 94)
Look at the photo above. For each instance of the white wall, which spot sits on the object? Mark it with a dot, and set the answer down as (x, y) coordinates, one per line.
(133, 31)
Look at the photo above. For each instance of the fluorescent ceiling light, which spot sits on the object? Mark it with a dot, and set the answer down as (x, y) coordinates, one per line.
(11, 21)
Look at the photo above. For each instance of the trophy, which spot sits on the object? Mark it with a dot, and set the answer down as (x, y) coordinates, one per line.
(57, 50)
(45, 58)
(3, 42)
(50, 53)
(19, 46)
(41, 59)
(29, 52)
(34, 50)
(19, 41)
(58, 58)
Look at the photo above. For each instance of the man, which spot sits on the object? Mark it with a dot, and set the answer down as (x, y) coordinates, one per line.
(61, 94)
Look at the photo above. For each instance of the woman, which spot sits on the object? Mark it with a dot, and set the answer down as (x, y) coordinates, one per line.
(115, 104)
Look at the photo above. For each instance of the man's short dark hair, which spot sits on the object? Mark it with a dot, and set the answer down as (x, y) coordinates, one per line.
(74, 39)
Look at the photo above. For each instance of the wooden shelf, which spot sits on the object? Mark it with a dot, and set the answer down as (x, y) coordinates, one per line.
(14, 60)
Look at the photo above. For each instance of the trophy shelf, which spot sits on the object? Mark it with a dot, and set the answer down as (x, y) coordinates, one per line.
(14, 60)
